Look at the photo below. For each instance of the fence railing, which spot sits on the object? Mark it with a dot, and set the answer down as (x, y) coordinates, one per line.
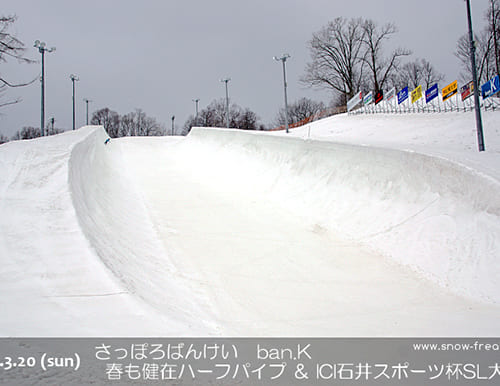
(454, 104)
(322, 114)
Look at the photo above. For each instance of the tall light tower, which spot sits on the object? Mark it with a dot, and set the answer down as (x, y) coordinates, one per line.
(283, 59)
(42, 49)
(477, 106)
(74, 78)
(226, 81)
(196, 109)
(87, 109)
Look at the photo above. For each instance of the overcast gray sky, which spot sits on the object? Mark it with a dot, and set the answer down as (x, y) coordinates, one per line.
(158, 55)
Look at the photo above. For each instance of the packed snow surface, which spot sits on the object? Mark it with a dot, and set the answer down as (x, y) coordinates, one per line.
(375, 225)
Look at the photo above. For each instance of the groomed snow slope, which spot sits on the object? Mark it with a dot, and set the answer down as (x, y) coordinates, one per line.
(242, 233)
(436, 216)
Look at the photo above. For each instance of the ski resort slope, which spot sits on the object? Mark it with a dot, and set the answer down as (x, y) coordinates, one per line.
(253, 234)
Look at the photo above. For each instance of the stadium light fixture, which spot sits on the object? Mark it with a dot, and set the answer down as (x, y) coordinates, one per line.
(42, 49)
(283, 60)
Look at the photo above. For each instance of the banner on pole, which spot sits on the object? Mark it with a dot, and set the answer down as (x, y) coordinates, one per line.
(390, 94)
(416, 94)
(431, 93)
(449, 90)
(467, 90)
(491, 87)
(368, 98)
(354, 101)
(403, 95)
(379, 97)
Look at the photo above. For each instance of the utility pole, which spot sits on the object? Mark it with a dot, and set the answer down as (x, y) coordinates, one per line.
(196, 109)
(42, 49)
(52, 121)
(74, 78)
(479, 123)
(87, 109)
(283, 59)
(226, 80)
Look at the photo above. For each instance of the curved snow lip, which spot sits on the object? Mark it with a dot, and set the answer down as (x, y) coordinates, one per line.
(114, 219)
(438, 217)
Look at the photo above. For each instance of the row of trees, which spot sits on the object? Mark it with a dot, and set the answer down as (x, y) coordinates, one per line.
(214, 115)
(348, 56)
(135, 123)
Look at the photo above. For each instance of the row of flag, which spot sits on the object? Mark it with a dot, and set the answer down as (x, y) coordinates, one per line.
(488, 89)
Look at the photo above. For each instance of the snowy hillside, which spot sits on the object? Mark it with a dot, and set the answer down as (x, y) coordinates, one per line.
(351, 226)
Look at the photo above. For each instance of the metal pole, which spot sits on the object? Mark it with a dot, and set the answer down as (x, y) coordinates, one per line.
(283, 60)
(74, 78)
(479, 123)
(286, 99)
(73, 81)
(87, 110)
(227, 107)
(42, 117)
(196, 109)
(42, 49)
(227, 101)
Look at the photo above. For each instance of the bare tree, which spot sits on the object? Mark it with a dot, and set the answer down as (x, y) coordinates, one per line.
(144, 125)
(484, 59)
(109, 119)
(418, 72)
(10, 47)
(487, 47)
(381, 68)
(3, 139)
(127, 125)
(299, 110)
(493, 17)
(337, 55)
(214, 115)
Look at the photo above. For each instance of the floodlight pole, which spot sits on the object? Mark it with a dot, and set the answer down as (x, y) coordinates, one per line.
(283, 60)
(479, 123)
(74, 78)
(196, 109)
(42, 49)
(87, 109)
(226, 80)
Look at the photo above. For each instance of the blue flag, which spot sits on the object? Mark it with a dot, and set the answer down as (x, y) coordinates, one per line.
(491, 87)
(431, 93)
(403, 95)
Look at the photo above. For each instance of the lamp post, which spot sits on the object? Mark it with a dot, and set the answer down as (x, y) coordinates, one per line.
(74, 78)
(477, 108)
(87, 109)
(283, 59)
(196, 109)
(42, 49)
(226, 81)
(52, 121)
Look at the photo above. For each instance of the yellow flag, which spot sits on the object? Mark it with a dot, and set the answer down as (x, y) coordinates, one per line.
(416, 94)
(450, 90)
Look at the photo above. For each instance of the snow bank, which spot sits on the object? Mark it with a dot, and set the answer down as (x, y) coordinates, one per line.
(113, 216)
(436, 216)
